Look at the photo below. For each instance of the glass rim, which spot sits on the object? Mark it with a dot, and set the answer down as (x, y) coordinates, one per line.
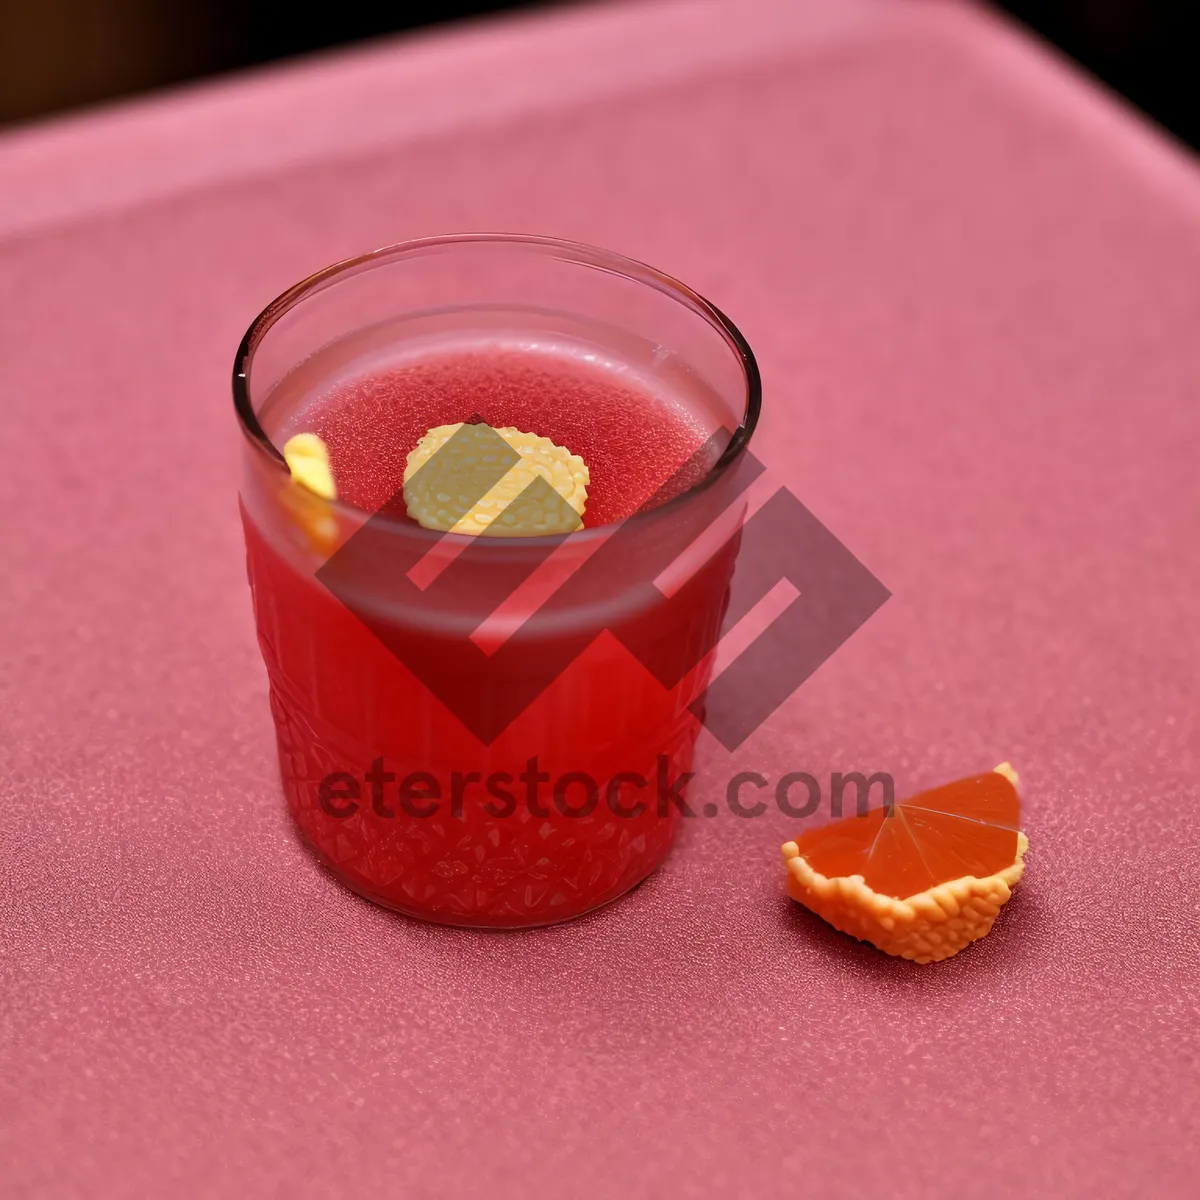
(578, 252)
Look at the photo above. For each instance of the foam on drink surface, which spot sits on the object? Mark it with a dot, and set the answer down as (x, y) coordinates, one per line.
(631, 438)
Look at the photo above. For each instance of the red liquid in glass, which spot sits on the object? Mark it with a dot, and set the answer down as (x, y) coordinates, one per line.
(345, 706)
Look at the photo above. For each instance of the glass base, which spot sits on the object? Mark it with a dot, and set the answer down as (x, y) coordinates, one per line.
(455, 921)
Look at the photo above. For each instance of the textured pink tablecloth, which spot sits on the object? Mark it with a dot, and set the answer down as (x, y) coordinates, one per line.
(972, 282)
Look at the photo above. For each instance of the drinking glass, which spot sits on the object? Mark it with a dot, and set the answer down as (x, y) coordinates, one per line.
(492, 731)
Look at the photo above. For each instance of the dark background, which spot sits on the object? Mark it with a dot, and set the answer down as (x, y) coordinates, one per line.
(57, 55)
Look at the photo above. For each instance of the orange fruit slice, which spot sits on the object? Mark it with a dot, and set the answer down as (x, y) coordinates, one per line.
(923, 880)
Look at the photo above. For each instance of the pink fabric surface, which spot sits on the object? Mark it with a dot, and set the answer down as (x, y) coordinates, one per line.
(971, 282)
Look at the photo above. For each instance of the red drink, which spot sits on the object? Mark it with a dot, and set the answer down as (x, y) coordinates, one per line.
(438, 794)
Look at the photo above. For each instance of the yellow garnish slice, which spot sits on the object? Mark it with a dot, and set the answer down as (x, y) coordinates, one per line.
(474, 479)
(307, 458)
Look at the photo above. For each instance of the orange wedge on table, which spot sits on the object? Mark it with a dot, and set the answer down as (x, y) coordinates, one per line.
(923, 879)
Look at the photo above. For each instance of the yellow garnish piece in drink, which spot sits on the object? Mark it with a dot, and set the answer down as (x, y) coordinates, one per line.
(474, 479)
(307, 458)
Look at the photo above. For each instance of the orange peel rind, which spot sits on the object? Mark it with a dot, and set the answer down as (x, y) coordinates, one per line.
(927, 927)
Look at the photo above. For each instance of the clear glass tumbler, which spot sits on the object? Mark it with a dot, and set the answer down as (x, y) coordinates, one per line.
(492, 731)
